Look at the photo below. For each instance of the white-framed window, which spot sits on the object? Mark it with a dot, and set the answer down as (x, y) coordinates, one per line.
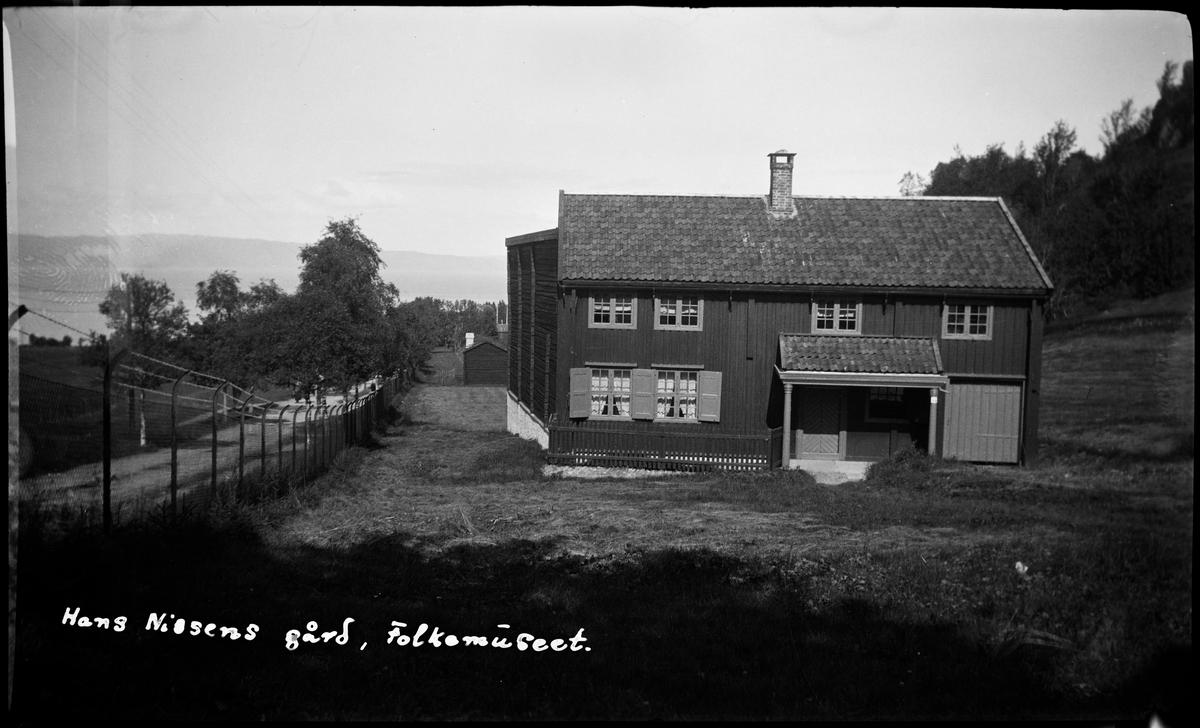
(611, 311)
(967, 321)
(610, 393)
(836, 317)
(675, 395)
(684, 313)
(885, 404)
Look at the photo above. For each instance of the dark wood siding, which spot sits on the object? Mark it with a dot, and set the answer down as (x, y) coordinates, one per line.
(740, 339)
(485, 365)
(1003, 355)
(516, 320)
(1033, 386)
(544, 344)
(533, 324)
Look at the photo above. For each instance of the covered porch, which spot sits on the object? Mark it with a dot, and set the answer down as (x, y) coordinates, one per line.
(852, 400)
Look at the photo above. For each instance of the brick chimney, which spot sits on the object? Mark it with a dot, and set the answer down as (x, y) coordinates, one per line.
(780, 201)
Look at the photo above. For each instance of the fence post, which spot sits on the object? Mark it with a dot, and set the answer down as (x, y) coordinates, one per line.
(307, 431)
(294, 414)
(345, 424)
(279, 432)
(317, 438)
(317, 451)
(330, 433)
(14, 470)
(327, 451)
(242, 438)
(214, 435)
(262, 443)
(335, 440)
(175, 441)
(106, 427)
(340, 425)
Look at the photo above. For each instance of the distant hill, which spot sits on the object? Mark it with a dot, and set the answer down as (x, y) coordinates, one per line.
(68, 277)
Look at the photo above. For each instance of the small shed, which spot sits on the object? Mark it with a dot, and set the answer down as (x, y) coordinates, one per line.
(485, 365)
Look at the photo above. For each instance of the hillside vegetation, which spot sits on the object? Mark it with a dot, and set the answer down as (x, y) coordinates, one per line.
(1108, 228)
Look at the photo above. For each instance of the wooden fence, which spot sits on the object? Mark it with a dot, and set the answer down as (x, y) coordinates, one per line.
(666, 450)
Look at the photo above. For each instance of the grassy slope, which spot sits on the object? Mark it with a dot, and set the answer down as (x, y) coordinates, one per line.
(701, 596)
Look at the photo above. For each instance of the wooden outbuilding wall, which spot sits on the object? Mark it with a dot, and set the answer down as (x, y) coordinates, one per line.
(485, 365)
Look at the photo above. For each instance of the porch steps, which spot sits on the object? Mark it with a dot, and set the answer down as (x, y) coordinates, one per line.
(832, 472)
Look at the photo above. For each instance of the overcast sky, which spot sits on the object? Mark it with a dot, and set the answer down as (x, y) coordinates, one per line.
(447, 130)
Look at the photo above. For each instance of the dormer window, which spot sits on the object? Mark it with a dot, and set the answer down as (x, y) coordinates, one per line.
(836, 317)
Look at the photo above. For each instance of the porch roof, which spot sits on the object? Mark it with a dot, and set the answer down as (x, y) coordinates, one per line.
(874, 360)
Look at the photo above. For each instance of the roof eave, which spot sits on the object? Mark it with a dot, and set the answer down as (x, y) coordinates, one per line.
(1028, 248)
(539, 237)
(862, 379)
(804, 289)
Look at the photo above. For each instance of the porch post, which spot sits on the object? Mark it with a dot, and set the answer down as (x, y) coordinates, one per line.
(787, 425)
(933, 402)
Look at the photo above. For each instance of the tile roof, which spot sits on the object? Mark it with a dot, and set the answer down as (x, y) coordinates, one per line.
(920, 242)
(861, 354)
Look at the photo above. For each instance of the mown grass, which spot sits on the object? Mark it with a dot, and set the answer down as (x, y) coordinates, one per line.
(712, 595)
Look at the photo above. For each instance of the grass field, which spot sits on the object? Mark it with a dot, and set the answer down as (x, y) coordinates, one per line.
(700, 596)
(445, 368)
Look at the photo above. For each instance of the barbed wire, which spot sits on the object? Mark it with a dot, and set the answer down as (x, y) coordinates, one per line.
(224, 383)
(139, 370)
(56, 321)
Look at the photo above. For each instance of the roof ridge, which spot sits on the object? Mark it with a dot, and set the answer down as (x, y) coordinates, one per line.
(794, 197)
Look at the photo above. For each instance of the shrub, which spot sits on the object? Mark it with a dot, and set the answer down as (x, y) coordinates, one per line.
(905, 467)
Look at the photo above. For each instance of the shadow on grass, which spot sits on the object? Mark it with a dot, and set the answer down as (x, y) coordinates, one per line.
(671, 633)
(1181, 448)
(1119, 323)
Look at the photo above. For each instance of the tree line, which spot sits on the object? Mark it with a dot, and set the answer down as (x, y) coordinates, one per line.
(343, 325)
(1116, 226)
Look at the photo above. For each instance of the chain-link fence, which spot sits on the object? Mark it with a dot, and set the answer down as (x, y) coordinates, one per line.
(174, 438)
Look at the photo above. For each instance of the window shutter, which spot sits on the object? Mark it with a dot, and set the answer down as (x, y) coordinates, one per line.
(710, 396)
(581, 392)
(641, 401)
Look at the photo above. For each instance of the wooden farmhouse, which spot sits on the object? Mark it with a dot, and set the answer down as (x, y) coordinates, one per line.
(754, 331)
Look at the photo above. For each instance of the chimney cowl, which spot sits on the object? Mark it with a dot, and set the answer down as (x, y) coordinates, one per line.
(779, 201)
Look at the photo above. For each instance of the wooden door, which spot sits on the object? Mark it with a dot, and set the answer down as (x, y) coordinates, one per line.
(820, 433)
(983, 422)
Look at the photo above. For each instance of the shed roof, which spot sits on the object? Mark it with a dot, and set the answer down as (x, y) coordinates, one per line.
(481, 340)
(859, 354)
(918, 242)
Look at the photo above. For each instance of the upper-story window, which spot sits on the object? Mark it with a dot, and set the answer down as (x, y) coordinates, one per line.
(683, 312)
(836, 317)
(610, 311)
(963, 321)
